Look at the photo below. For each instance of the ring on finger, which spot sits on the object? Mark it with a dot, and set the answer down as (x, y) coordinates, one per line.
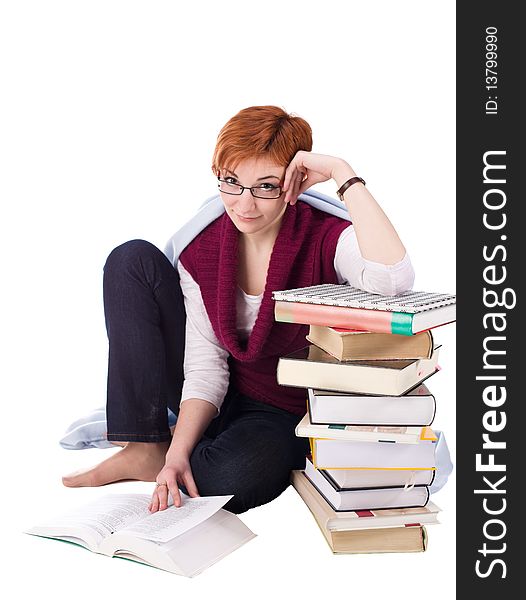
(160, 484)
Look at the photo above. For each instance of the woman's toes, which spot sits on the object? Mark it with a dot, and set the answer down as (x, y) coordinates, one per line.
(80, 478)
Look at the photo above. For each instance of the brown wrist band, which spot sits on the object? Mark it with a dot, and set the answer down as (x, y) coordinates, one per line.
(347, 185)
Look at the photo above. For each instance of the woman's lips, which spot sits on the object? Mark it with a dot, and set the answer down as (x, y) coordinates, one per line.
(247, 218)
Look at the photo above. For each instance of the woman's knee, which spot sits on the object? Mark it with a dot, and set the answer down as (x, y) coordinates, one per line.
(129, 253)
(256, 495)
(251, 484)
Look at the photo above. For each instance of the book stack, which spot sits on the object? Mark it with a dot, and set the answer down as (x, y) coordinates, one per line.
(368, 412)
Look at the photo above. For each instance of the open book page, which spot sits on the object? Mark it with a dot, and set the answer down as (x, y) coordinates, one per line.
(104, 516)
(167, 524)
(90, 524)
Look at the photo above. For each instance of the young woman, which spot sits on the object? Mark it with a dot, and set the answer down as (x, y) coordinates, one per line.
(201, 339)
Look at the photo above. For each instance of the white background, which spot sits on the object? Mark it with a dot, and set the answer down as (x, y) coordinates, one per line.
(109, 115)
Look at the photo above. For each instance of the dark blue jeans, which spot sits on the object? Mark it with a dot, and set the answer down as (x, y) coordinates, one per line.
(249, 450)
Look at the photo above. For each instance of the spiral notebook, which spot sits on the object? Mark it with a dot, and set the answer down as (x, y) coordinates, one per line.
(340, 305)
(334, 294)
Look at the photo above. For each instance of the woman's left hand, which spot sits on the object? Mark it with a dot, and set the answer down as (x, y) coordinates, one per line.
(307, 169)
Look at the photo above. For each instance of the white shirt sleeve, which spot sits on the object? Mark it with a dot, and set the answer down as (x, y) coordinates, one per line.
(353, 269)
(206, 372)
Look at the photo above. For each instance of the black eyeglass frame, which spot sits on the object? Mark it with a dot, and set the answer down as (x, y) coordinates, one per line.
(244, 187)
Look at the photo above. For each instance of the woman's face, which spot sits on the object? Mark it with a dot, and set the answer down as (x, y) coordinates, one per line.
(254, 215)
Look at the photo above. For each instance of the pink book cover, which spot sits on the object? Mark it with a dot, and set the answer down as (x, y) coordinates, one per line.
(378, 321)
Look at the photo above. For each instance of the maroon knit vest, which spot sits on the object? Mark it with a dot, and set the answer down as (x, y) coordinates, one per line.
(303, 255)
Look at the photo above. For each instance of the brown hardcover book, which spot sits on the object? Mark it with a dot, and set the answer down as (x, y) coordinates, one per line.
(348, 344)
(357, 541)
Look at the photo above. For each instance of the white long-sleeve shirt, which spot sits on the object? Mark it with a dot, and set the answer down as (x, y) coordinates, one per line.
(206, 372)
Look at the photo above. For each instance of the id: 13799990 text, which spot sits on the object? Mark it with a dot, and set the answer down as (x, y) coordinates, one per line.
(491, 70)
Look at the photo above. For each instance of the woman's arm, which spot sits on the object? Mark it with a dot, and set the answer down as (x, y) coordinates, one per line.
(376, 236)
(206, 372)
(193, 419)
(206, 378)
(351, 268)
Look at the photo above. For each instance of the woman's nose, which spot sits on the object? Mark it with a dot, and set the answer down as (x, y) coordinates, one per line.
(246, 198)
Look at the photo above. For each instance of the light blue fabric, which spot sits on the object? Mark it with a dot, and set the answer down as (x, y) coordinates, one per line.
(90, 431)
(444, 466)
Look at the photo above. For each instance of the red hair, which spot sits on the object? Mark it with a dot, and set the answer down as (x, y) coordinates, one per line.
(261, 132)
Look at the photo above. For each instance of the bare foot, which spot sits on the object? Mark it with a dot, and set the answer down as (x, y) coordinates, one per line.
(137, 461)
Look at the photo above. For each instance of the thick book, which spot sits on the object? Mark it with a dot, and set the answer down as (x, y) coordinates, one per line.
(312, 367)
(351, 344)
(184, 540)
(334, 305)
(416, 408)
(366, 498)
(363, 433)
(347, 454)
(349, 479)
(345, 537)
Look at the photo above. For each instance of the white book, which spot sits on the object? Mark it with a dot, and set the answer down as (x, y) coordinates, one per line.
(184, 540)
(366, 499)
(345, 479)
(312, 367)
(363, 433)
(417, 407)
(348, 454)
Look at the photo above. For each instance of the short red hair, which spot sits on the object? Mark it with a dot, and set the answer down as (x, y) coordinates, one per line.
(261, 131)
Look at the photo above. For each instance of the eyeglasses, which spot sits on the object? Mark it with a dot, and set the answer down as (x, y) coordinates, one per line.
(265, 190)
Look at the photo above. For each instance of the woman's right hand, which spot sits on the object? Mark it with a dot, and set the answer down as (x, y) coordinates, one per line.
(194, 417)
(174, 472)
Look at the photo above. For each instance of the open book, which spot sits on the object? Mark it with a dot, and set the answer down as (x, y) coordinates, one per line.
(184, 540)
